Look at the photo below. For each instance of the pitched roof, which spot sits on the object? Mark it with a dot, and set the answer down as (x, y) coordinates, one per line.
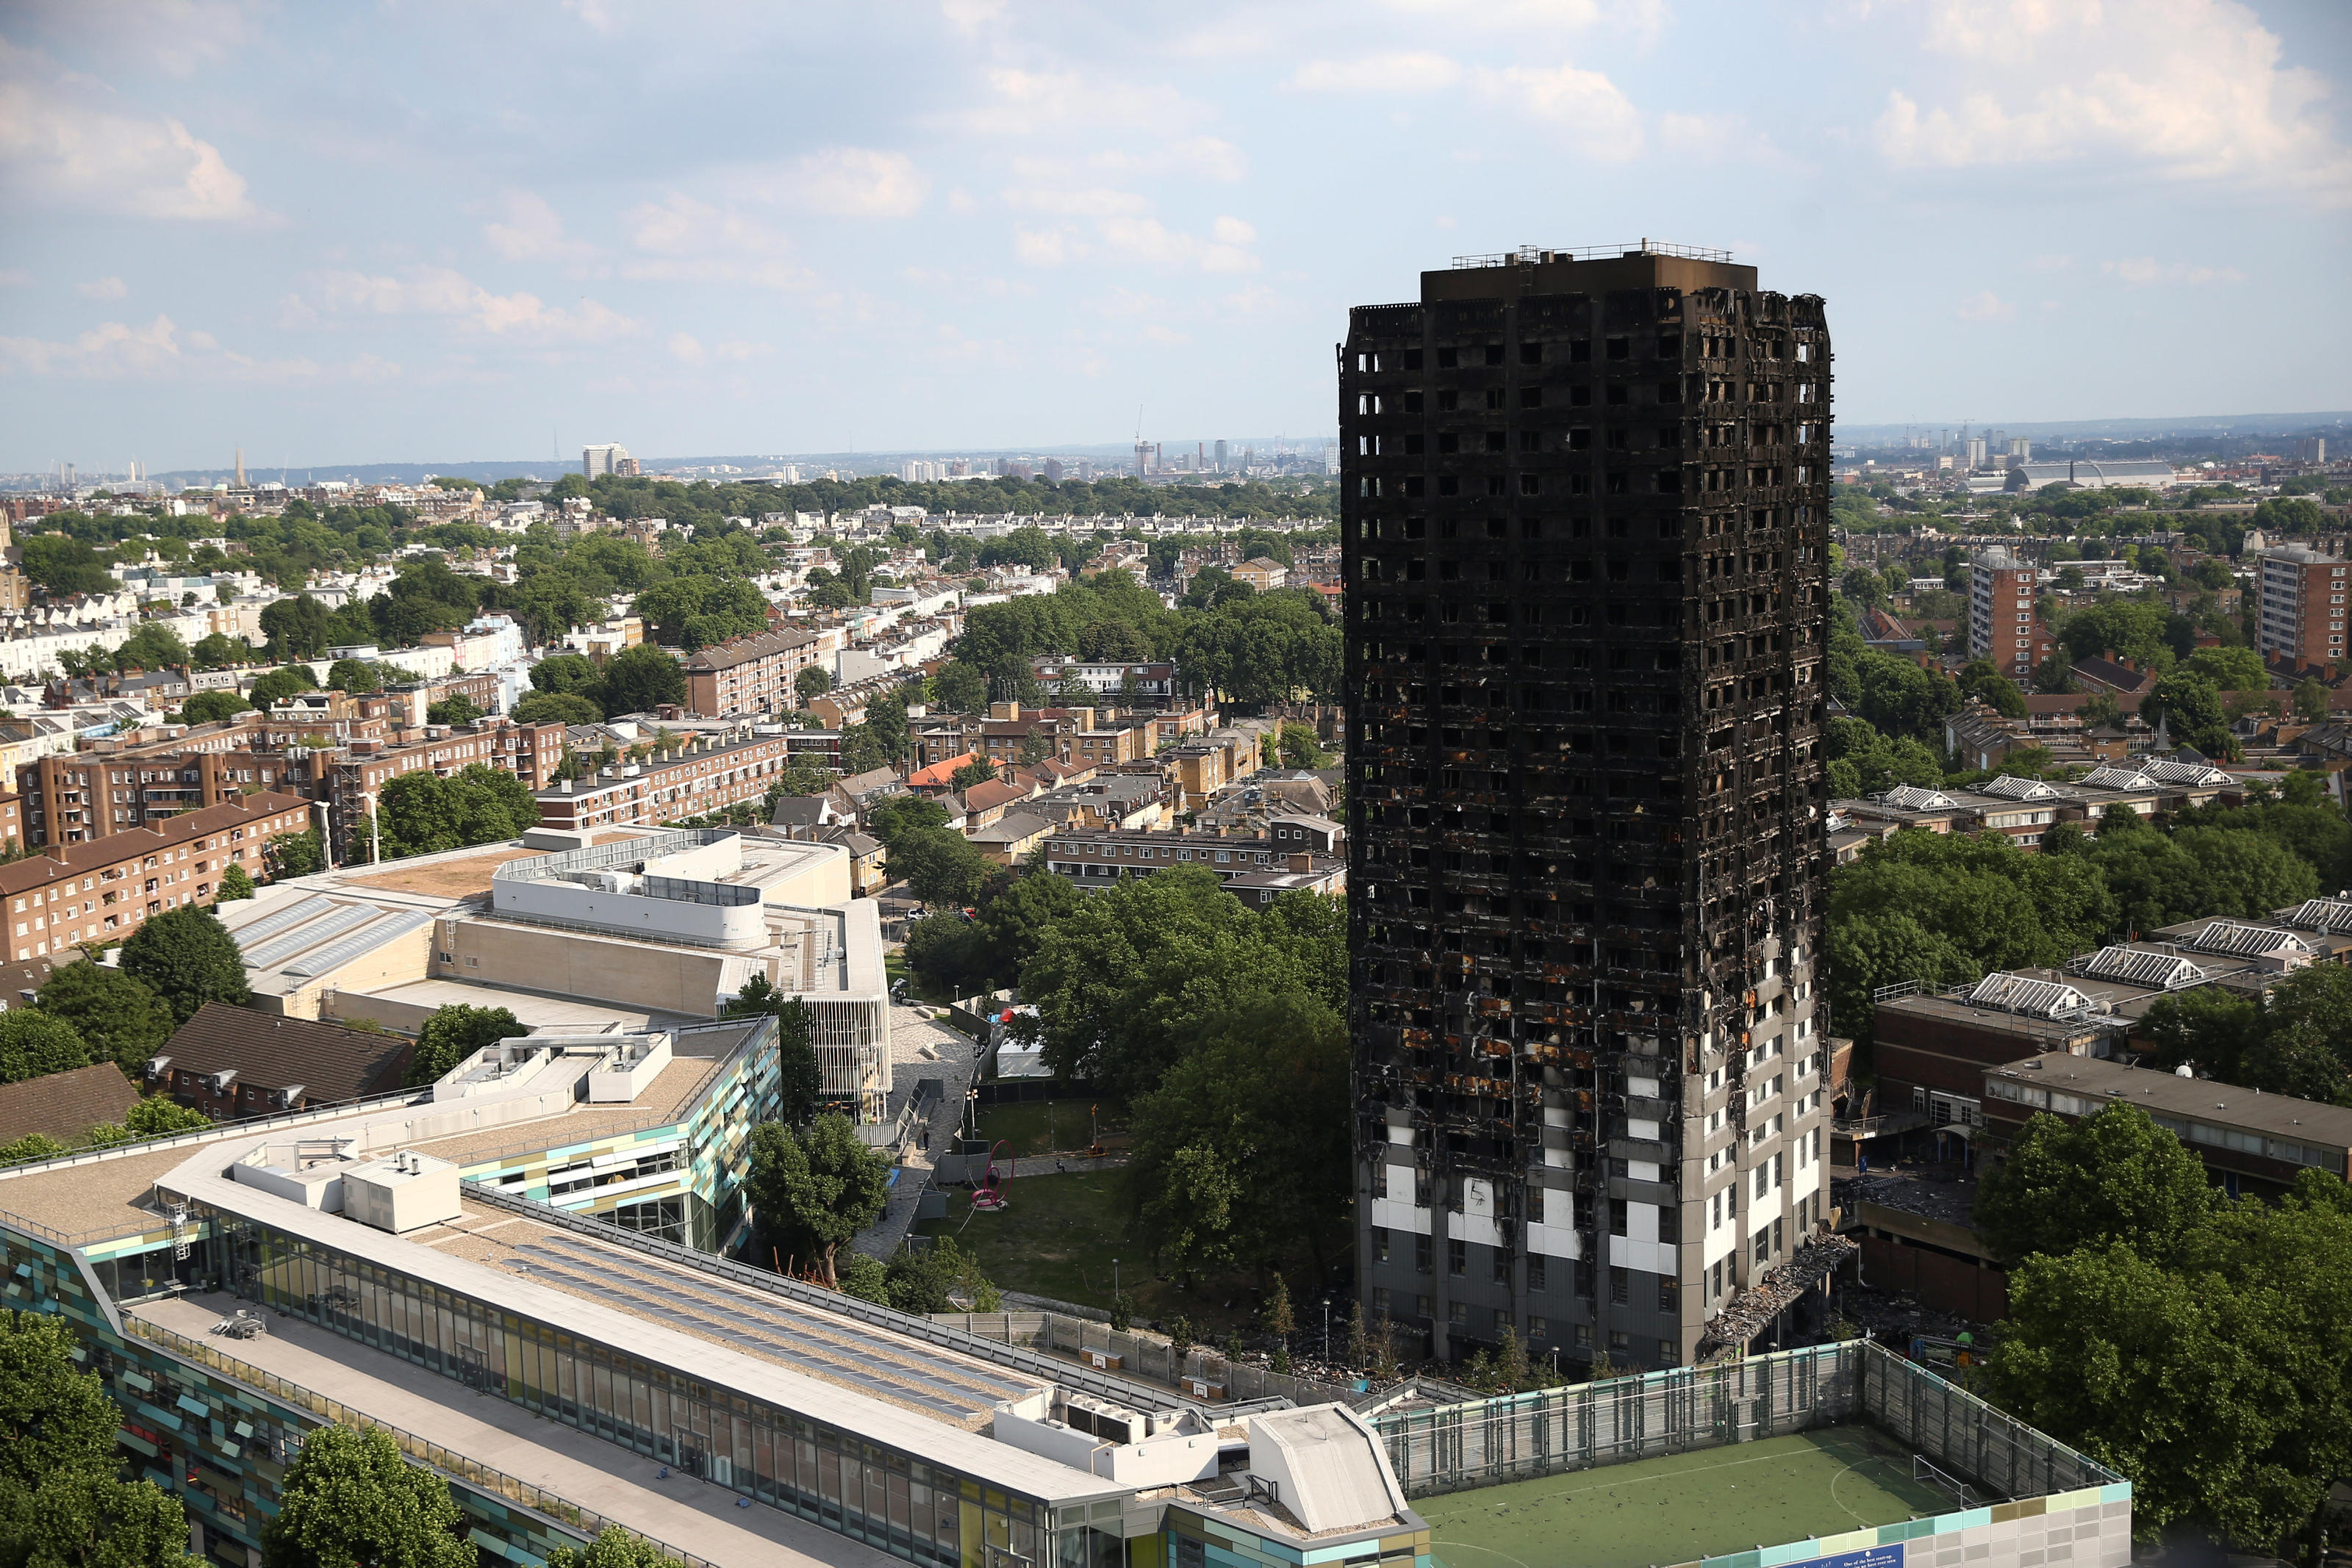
(994, 792)
(59, 861)
(939, 775)
(743, 650)
(330, 1062)
(65, 1106)
(1011, 829)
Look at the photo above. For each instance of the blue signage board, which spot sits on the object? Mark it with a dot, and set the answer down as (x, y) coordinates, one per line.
(1869, 1557)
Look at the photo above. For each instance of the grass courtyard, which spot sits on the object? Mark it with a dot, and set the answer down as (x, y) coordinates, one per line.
(1057, 1237)
(1683, 1507)
(1041, 1126)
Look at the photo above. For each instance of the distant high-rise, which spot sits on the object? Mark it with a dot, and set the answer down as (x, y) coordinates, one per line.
(1584, 515)
(605, 458)
(1976, 452)
(241, 467)
(1221, 456)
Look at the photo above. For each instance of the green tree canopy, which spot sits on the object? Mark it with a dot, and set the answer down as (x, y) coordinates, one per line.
(186, 957)
(280, 684)
(2112, 1176)
(815, 1188)
(118, 1016)
(352, 1500)
(640, 679)
(800, 1078)
(453, 1033)
(613, 1548)
(212, 708)
(63, 1501)
(558, 707)
(420, 813)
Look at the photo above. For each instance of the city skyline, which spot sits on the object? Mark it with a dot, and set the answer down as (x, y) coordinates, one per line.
(741, 231)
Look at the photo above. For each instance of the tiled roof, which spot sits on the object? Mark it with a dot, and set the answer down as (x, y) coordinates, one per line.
(71, 860)
(743, 650)
(65, 1106)
(330, 1062)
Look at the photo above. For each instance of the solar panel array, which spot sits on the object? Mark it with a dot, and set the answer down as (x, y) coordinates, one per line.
(2009, 788)
(329, 959)
(338, 919)
(270, 925)
(2023, 994)
(2137, 966)
(2246, 941)
(2332, 917)
(2184, 773)
(1912, 797)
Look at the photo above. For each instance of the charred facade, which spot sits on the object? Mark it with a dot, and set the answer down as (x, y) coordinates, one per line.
(1585, 524)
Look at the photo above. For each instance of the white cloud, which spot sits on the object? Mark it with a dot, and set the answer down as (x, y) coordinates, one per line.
(177, 38)
(117, 351)
(1041, 247)
(1026, 102)
(1195, 157)
(1986, 306)
(534, 231)
(15, 277)
(2195, 88)
(1598, 118)
(1415, 71)
(2146, 269)
(1642, 18)
(1148, 240)
(59, 145)
(1099, 202)
(102, 289)
(969, 16)
(684, 240)
(1233, 231)
(855, 181)
(684, 347)
(443, 292)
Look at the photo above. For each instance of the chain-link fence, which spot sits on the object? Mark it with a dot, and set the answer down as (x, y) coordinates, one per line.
(1513, 1436)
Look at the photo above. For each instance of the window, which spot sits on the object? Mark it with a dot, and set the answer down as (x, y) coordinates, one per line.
(1666, 1295)
(1536, 1271)
(1457, 1257)
(1620, 1285)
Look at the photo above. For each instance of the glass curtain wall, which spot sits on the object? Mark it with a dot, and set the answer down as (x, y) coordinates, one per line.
(897, 1502)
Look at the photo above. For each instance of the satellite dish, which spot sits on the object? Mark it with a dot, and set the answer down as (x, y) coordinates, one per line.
(2184, 1070)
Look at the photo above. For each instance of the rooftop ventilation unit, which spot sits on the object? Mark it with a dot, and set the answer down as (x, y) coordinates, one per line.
(2136, 967)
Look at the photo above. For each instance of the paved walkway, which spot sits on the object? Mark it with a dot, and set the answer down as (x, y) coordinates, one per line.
(682, 1511)
(954, 1056)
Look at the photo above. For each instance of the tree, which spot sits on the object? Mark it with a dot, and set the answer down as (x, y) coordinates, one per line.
(812, 682)
(453, 710)
(31, 1146)
(352, 1500)
(2190, 705)
(891, 819)
(119, 1018)
(64, 565)
(557, 708)
(2116, 1176)
(800, 1086)
(815, 1189)
(453, 1033)
(640, 679)
(920, 1283)
(63, 1501)
(354, 675)
(419, 814)
(1979, 679)
(234, 885)
(961, 688)
(301, 854)
(562, 673)
(35, 1044)
(1278, 1320)
(280, 684)
(939, 866)
(613, 1548)
(979, 770)
(2215, 1378)
(2230, 669)
(1299, 746)
(187, 958)
(1240, 1149)
(212, 707)
(2311, 701)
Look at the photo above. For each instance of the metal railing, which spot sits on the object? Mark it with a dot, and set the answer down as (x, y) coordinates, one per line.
(558, 1511)
(1529, 255)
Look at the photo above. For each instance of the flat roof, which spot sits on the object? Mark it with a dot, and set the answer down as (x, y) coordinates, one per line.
(682, 1512)
(539, 1011)
(1681, 1508)
(2192, 1099)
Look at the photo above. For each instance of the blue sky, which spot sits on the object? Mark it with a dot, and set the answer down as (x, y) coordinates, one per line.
(432, 231)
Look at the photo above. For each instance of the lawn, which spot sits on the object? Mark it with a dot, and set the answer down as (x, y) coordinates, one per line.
(1044, 1127)
(1057, 1237)
(1684, 1507)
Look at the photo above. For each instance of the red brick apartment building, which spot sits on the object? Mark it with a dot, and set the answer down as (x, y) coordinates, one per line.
(697, 781)
(100, 892)
(2302, 619)
(749, 675)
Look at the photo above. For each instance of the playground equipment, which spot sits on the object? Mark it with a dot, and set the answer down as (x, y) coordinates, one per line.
(989, 1196)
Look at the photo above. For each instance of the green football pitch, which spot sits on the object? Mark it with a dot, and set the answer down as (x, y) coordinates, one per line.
(1683, 1507)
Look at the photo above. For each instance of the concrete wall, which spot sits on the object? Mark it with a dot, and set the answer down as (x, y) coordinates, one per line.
(575, 964)
(1974, 1290)
(738, 924)
(394, 963)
